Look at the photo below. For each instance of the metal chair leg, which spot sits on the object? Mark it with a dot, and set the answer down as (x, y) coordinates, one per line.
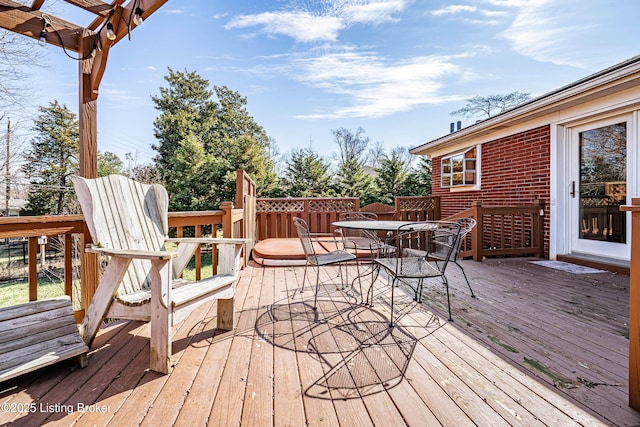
(391, 318)
(465, 278)
(315, 298)
(304, 277)
(446, 284)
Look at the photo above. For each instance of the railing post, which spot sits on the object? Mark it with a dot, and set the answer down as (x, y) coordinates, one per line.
(539, 228)
(634, 305)
(476, 233)
(227, 219)
(33, 268)
(89, 271)
(68, 265)
(436, 207)
(240, 192)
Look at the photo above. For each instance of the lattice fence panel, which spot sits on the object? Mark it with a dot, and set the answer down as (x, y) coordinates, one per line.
(279, 205)
(330, 205)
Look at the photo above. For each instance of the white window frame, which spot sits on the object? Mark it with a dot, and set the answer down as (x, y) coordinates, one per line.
(464, 185)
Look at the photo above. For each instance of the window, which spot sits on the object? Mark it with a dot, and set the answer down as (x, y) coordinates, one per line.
(460, 169)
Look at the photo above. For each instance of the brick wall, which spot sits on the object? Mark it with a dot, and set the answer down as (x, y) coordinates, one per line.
(515, 171)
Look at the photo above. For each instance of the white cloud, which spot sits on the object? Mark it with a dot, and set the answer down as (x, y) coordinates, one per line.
(544, 31)
(325, 22)
(453, 9)
(376, 86)
(373, 11)
(301, 26)
(459, 9)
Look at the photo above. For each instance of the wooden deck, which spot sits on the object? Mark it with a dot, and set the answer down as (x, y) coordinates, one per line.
(536, 347)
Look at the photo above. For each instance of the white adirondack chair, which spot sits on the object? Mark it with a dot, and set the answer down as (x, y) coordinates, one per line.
(127, 221)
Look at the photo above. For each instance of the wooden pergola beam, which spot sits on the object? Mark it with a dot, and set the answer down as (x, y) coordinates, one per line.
(96, 7)
(27, 21)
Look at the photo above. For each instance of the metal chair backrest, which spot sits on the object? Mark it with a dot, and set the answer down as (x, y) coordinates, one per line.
(359, 216)
(445, 243)
(305, 238)
(466, 225)
(432, 240)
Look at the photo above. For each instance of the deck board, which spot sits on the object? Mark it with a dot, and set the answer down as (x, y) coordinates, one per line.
(536, 347)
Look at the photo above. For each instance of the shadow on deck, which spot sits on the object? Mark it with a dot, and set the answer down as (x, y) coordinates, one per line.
(536, 347)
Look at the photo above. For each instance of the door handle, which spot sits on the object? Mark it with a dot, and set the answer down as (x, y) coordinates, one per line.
(573, 189)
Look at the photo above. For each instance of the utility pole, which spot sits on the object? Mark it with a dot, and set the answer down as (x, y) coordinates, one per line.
(7, 194)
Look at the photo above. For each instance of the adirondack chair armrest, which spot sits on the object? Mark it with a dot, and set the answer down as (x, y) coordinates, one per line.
(131, 253)
(208, 240)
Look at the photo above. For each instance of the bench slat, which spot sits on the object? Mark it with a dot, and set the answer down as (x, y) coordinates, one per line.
(38, 334)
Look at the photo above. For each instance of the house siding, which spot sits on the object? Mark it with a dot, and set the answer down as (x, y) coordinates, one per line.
(515, 170)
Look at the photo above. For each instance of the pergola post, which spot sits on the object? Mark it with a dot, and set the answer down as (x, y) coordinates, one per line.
(88, 144)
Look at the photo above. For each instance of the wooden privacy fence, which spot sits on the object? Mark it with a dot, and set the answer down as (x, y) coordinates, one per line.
(275, 216)
(417, 208)
(504, 230)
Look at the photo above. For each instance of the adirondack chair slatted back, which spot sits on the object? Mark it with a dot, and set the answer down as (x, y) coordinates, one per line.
(125, 214)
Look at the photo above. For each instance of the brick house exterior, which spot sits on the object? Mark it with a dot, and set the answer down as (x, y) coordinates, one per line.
(514, 170)
(536, 151)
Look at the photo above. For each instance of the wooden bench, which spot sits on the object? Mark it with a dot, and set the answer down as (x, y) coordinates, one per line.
(38, 334)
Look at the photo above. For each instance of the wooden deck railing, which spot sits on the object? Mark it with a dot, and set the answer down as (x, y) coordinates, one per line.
(68, 226)
(504, 230)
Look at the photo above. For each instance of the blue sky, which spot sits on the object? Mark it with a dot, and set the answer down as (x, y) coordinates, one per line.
(395, 68)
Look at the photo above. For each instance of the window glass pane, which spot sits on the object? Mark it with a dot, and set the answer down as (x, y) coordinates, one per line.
(458, 178)
(470, 177)
(470, 165)
(471, 154)
(456, 163)
(603, 183)
(446, 180)
(446, 166)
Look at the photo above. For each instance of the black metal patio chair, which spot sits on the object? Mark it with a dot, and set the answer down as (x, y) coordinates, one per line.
(360, 240)
(424, 250)
(311, 242)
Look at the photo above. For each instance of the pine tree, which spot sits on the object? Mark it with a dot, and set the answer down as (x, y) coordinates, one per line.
(229, 137)
(51, 161)
(351, 179)
(307, 174)
(391, 177)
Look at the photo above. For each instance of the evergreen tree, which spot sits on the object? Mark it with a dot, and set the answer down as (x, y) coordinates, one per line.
(109, 164)
(351, 179)
(307, 174)
(51, 161)
(391, 177)
(199, 178)
(418, 182)
(228, 136)
(185, 108)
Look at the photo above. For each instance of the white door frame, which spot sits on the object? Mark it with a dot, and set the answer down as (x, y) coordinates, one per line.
(572, 243)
